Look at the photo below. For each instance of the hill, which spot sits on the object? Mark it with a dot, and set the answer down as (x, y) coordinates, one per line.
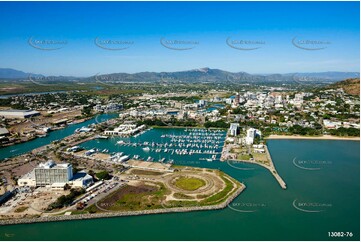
(201, 75)
(350, 86)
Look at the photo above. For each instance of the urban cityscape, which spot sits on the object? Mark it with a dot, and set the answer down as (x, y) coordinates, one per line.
(129, 136)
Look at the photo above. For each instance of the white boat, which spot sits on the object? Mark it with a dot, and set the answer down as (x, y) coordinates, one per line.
(101, 137)
(146, 149)
(123, 158)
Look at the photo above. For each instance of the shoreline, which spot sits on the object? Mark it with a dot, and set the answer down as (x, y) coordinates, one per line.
(323, 137)
(184, 127)
(271, 168)
(123, 214)
(79, 121)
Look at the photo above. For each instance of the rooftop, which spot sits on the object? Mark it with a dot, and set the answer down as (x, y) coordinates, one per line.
(18, 110)
(51, 164)
(81, 175)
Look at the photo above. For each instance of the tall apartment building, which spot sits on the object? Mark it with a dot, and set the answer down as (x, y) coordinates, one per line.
(49, 173)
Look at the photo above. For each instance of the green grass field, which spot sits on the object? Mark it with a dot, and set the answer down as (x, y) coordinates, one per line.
(189, 183)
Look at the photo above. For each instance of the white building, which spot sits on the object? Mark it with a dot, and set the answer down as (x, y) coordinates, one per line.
(18, 114)
(251, 134)
(49, 173)
(234, 128)
(4, 132)
(81, 179)
(111, 107)
(331, 125)
(27, 180)
(55, 176)
(125, 130)
(202, 103)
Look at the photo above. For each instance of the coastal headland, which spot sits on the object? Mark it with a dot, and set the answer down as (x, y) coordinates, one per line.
(148, 192)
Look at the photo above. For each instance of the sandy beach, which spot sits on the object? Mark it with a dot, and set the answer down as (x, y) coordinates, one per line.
(324, 137)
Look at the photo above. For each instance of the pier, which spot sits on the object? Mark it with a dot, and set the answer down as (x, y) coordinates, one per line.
(273, 170)
(271, 167)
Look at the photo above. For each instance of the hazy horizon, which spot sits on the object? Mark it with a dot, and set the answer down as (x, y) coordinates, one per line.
(131, 73)
(84, 38)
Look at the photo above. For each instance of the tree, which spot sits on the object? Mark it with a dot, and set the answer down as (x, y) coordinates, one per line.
(87, 111)
(103, 175)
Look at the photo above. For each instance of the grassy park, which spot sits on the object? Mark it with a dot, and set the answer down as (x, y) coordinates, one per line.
(189, 183)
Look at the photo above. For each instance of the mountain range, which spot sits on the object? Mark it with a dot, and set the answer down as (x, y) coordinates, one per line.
(190, 76)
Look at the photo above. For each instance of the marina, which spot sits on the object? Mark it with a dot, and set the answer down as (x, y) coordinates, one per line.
(163, 145)
(22, 148)
(263, 196)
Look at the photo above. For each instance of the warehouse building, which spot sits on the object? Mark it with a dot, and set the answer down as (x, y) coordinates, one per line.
(18, 114)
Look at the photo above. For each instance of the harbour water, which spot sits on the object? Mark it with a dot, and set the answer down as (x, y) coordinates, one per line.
(168, 144)
(322, 196)
(21, 148)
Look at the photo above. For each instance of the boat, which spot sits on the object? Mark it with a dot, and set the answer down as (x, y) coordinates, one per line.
(123, 158)
(147, 149)
(101, 137)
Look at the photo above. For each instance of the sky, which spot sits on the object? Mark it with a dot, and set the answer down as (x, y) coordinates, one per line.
(86, 38)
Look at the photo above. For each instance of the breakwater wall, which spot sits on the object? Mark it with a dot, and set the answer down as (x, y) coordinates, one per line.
(123, 214)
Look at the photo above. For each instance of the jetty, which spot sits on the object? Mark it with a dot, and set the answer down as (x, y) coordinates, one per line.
(273, 170)
(270, 166)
